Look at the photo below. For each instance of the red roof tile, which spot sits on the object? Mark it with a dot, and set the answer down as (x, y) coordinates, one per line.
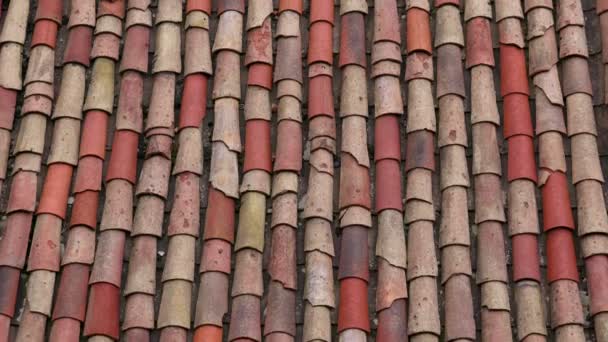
(45, 33)
(353, 310)
(72, 294)
(321, 11)
(418, 31)
(198, 5)
(524, 166)
(479, 43)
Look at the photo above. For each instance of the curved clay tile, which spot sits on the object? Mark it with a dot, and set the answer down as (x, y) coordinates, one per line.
(318, 205)
(43, 262)
(562, 273)
(418, 32)
(454, 228)
(212, 302)
(587, 175)
(489, 212)
(280, 321)
(354, 198)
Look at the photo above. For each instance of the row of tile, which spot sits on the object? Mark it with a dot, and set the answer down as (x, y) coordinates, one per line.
(521, 174)
(391, 292)
(319, 293)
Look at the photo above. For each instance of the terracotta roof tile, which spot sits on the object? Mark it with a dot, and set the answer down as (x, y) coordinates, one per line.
(245, 319)
(136, 57)
(425, 318)
(352, 40)
(288, 26)
(45, 33)
(556, 203)
(259, 46)
(479, 43)
(353, 310)
(72, 293)
(291, 5)
(511, 33)
(104, 299)
(418, 31)
(386, 22)
(321, 11)
(439, 3)
(513, 76)
(212, 303)
(390, 289)
(288, 64)
(517, 118)
(231, 5)
(450, 78)
(319, 98)
(318, 49)
(459, 310)
(449, 29)
(9, 290)
(525, 256)
(208, 333)
(7, 110)
(387, 182)
(198, 5)
(455, 226)
(524, 166)
(65, 329)
(576, 76)
(15, 18)
(392, 327)
(282, 267)
(84, 211)
(420, 151)
(354, 184)
(289, 136)
(280, 312)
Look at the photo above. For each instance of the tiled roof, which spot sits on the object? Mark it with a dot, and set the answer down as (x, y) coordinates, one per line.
(291, 212)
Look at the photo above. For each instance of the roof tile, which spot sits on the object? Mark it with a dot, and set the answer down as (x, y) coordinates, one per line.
(418, 31)
(281, 309)
(231, 5)
(352, 40)
(9, 286)
(80, 246)
(525, 255)
(426, 319)
(560, 251)
(245, 319)
(84, 211)
(353, 310)
(211, 308)
(459, 309)
(103, 311)
(390, 322)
